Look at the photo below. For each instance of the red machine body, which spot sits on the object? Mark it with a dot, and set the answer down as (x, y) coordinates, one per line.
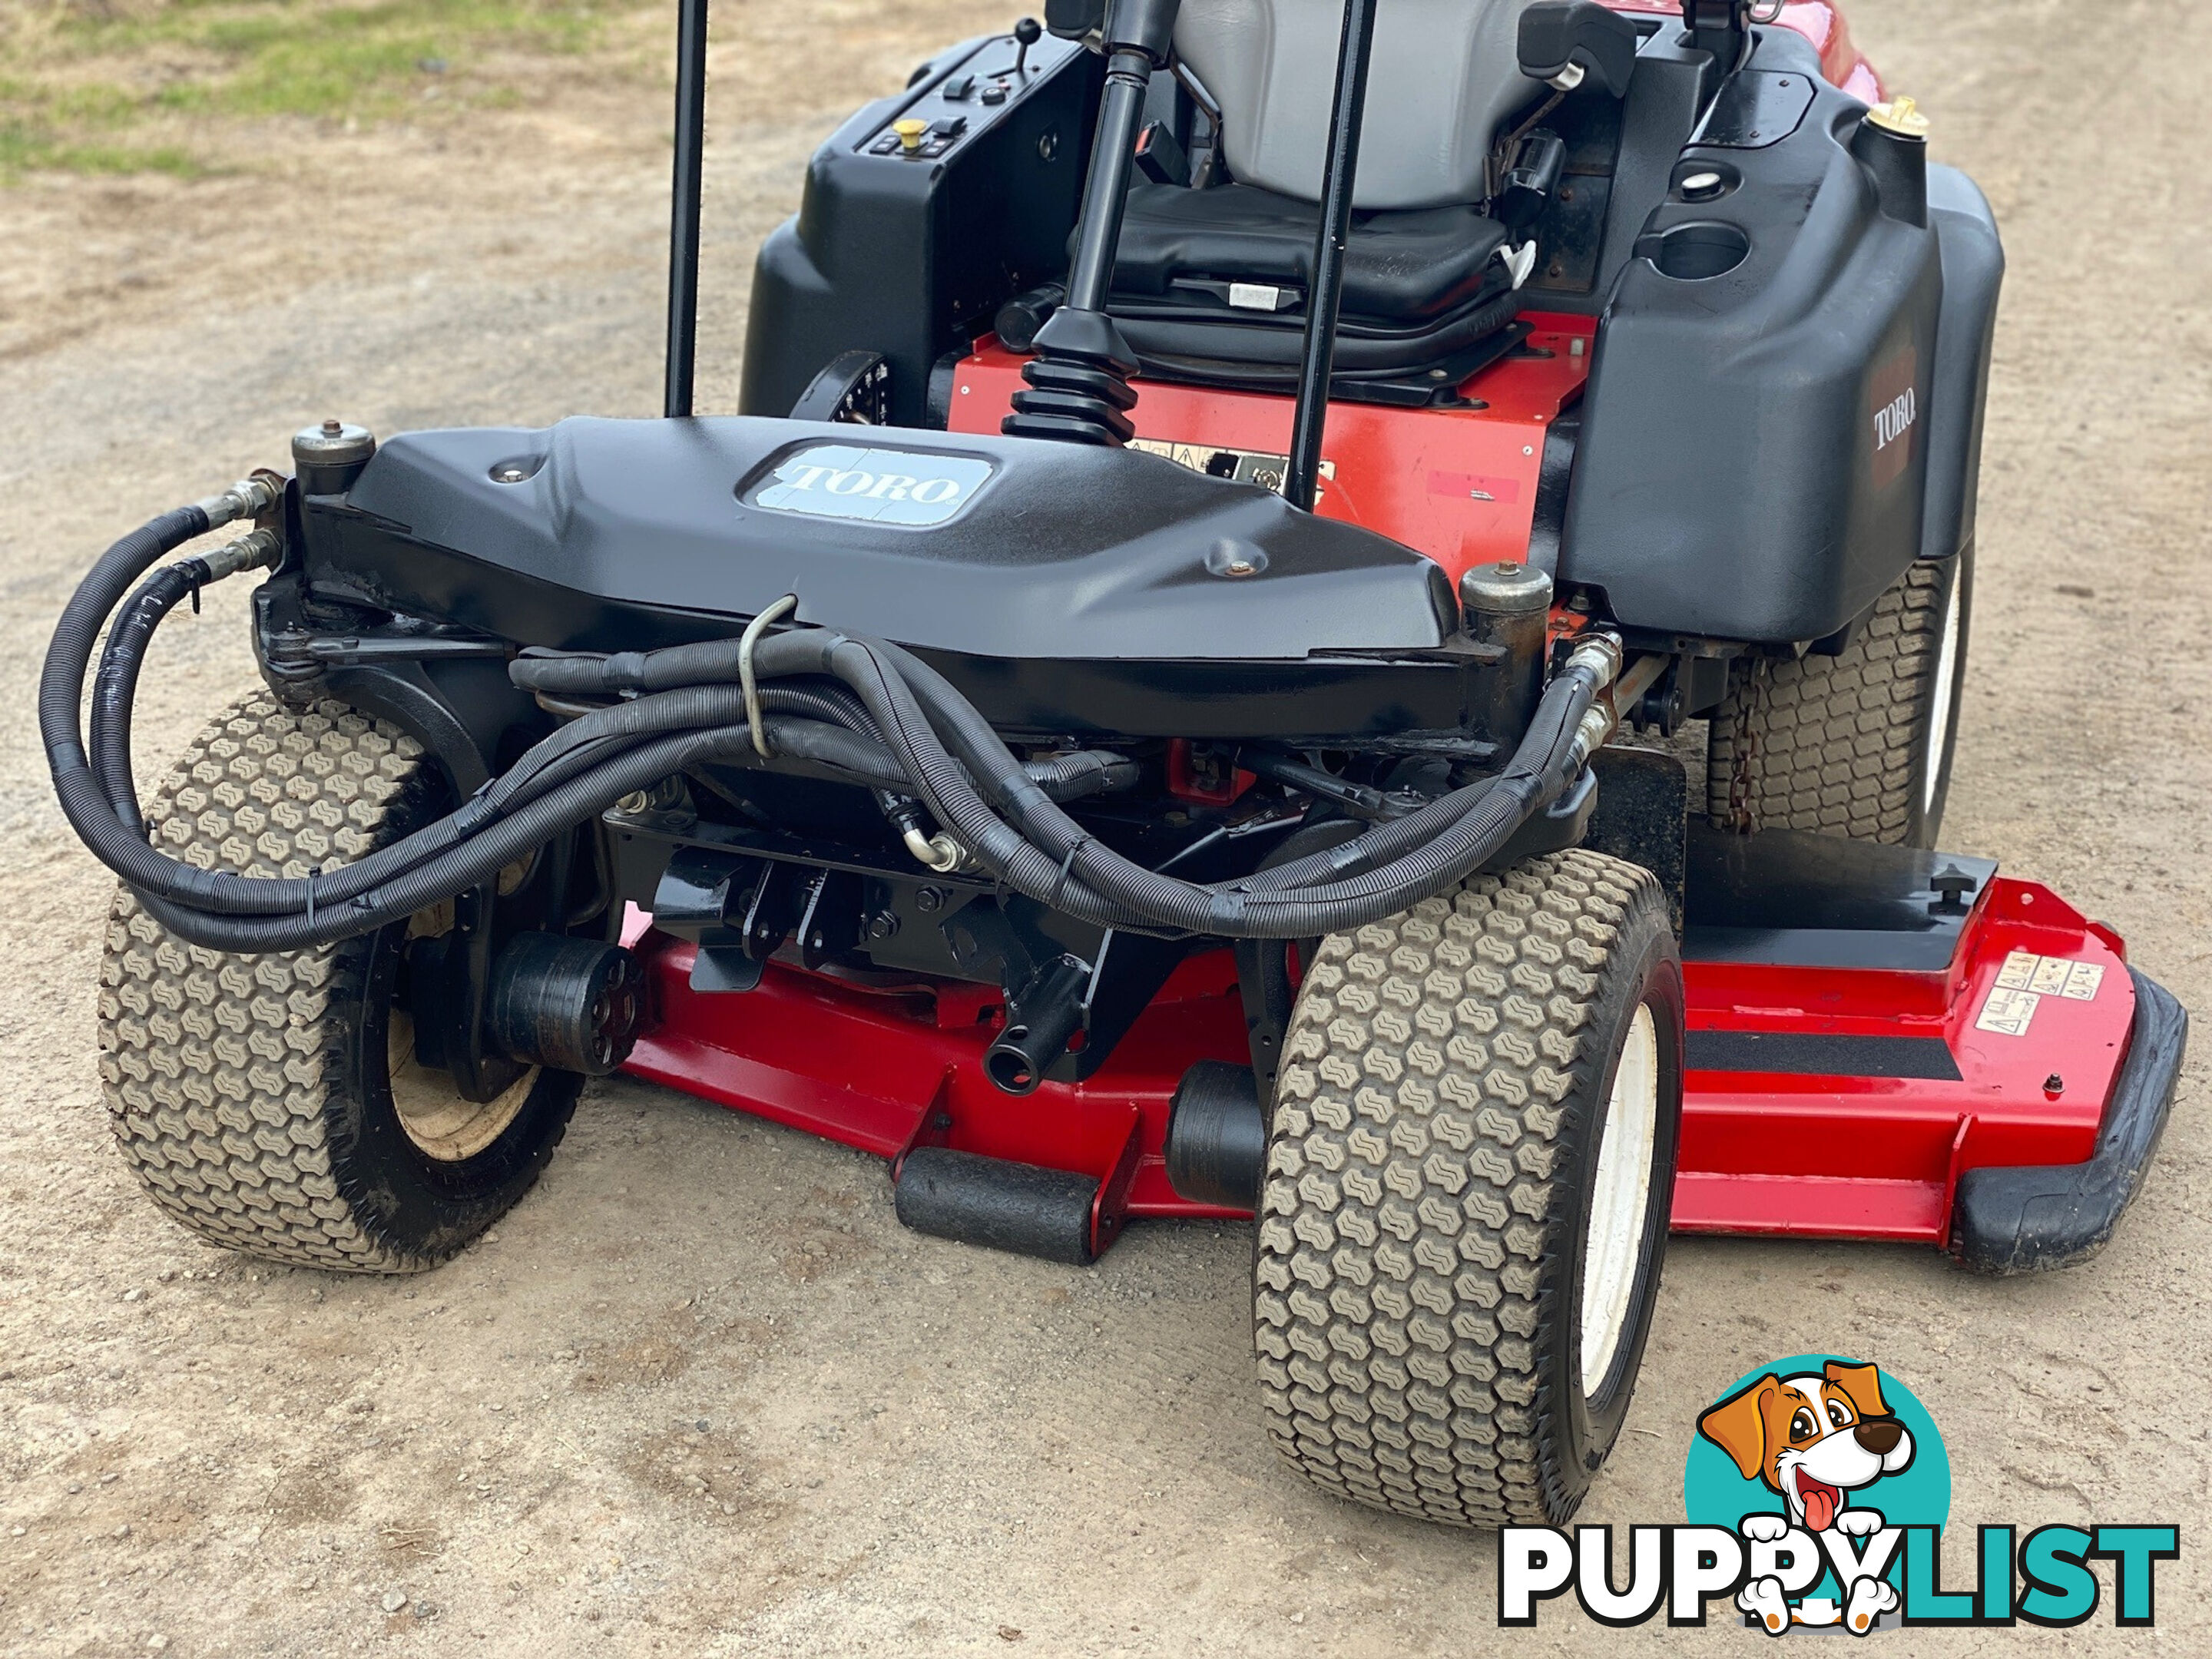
(1950, 1071)
(1456, 483)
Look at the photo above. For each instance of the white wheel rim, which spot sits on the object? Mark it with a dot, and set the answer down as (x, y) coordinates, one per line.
(432, 1112)
(1946, 675)
(1621, 1199)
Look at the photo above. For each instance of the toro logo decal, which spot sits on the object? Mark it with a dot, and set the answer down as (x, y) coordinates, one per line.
(1896, 412)
(1816, 1490)
(870, 486)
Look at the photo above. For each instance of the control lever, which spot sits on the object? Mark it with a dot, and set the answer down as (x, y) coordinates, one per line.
(1027, 33)
(1075, 20)
(1079, 389)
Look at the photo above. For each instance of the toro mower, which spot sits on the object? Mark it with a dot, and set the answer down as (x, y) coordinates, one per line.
(1349, 611)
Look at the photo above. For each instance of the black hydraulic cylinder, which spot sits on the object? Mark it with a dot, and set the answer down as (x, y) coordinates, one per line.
(1327, 299)
(684, 205)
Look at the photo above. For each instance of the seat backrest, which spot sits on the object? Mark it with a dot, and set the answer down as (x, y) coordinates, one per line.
(1445, 75)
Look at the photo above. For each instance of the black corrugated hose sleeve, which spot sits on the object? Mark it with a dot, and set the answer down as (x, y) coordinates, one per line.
(690, 715)
(61, 683)
(479, 857)
(1090, 881)
(116, 684)
(1481, 825)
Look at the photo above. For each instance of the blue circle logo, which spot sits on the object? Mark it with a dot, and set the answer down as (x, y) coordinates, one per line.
(1823, 1448)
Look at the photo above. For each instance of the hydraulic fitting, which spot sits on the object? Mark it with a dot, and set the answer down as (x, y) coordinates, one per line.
(1599, 654)
(249, 498)
(258, 551)
(939, 852)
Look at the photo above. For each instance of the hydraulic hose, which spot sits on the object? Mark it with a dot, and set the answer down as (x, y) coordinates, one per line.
(478, 857)
(1054, 859)
(83, 800)
(856, 710)
(116, 686)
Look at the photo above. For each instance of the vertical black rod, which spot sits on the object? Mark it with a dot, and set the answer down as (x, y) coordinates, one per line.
(1113, 158)
(683, 204)
(1326, 297)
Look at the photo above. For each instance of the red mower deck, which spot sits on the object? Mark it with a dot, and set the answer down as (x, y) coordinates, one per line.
(1852, 1056)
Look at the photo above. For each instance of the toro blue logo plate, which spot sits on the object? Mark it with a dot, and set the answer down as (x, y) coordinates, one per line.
(870, 486)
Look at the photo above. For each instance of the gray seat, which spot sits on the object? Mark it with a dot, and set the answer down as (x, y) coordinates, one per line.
(1210, 285)
(1444, 76)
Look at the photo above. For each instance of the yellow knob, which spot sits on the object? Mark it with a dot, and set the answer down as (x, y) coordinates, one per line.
(910, 131)
(1900, 115)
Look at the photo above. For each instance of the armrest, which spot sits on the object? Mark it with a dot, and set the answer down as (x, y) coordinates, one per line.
(1566, 42)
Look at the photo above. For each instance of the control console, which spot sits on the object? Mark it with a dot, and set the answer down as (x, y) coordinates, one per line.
(965, 92)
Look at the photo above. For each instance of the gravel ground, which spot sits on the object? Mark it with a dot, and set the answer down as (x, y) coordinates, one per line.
(701, 1392)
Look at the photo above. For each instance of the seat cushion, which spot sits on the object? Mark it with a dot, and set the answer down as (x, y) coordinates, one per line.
(1408, 266)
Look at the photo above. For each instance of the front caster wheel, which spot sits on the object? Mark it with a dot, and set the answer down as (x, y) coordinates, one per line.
(1468, 1179)
(273, 1104)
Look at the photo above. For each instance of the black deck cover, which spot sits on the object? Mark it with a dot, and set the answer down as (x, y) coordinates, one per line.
(990, 547)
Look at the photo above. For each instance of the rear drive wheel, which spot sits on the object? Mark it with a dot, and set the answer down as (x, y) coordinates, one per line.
(1468, 1179)
(273, 1104)
(1858, 744)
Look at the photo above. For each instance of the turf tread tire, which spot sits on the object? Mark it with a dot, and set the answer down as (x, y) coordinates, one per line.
(223, 1073)
(1837, 746)
(1408, 1209)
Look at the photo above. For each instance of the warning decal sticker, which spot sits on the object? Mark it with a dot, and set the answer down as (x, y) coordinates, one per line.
(2007, 1012)
(2050, 976)
(2025, 980)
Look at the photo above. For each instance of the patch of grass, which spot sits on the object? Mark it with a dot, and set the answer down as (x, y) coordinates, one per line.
(81, 82)
(27, 150)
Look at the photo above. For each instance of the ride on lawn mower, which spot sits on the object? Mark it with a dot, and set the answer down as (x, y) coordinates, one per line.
(1172, 700)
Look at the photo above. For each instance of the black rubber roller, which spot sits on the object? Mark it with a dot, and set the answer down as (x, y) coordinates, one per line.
(571, 1003)
(1217, 1136)
(1020, 1207)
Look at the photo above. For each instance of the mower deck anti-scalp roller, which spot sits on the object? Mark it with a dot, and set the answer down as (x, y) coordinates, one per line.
(1168, 699)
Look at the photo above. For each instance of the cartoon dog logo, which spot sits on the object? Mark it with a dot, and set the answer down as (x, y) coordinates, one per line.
(1816, 1440)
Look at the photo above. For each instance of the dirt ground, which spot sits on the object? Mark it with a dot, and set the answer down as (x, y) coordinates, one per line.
(701, 1392)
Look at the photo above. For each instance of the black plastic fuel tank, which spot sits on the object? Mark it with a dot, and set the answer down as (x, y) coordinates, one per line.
(1779, 366)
